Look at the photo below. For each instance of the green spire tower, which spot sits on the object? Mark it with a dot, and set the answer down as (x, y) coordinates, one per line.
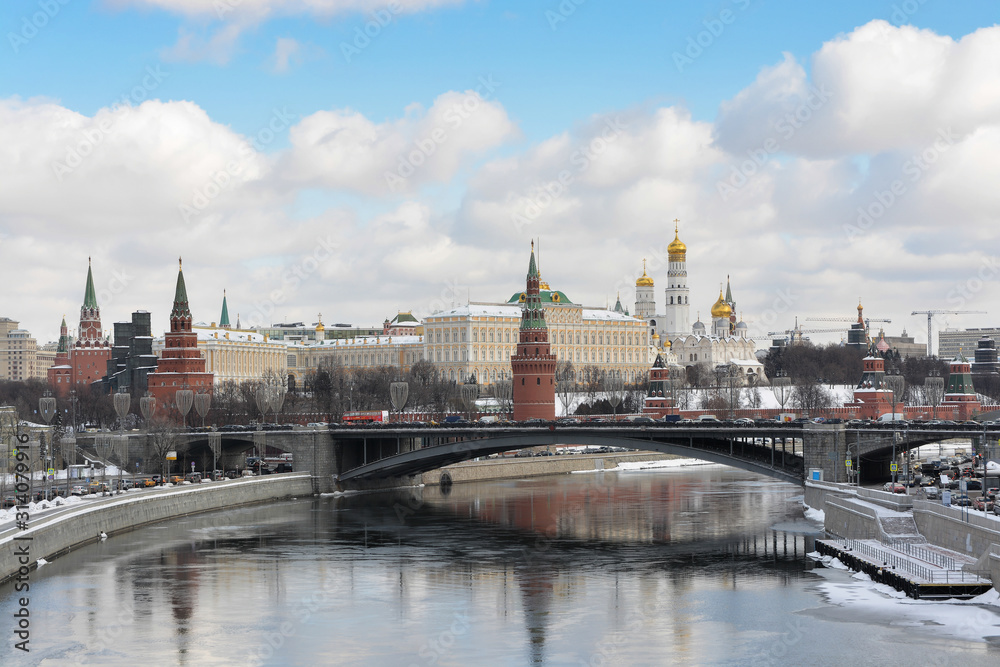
(224, 318)
(180, 309)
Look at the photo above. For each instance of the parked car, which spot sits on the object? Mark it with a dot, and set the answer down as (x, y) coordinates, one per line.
(982, 505)
(931, 493)
(78, 490)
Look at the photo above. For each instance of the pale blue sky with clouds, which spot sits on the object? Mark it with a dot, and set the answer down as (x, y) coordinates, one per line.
(261, 133)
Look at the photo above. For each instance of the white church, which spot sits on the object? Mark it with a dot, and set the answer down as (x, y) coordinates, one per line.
(686, 344)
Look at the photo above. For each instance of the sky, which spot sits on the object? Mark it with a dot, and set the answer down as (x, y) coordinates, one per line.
(357, 158)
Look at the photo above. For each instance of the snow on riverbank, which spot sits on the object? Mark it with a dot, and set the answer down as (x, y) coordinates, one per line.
(819, 516)
(645, 466)
(864, 601)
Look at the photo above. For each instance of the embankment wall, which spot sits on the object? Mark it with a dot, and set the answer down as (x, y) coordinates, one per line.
(48, 536)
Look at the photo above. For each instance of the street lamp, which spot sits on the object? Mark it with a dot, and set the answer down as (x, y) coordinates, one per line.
(896, 384)
(184, 399)
(781, 385)
(123, 401)
(47, 409)
(613, 385)
(202, 403)
(398, 393)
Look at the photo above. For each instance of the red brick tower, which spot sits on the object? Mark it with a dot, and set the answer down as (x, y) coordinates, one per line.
(960, 397)
(181, 365)
(533, 365)
(61, 371)
(90, 353)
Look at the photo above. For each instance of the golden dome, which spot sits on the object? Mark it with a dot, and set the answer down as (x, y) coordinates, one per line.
(721, 308)
(644, 281)
(676, 246)
(666, 343)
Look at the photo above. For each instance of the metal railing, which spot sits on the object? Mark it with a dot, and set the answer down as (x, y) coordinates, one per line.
(895, 562)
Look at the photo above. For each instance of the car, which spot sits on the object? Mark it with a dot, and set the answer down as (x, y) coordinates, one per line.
(176, 479)
(568, 421)
(193, 477)
(931, 493)
(8, 501)
(744, 421)
(962, 501)
(996, 508)
(892, 487)
(283, 467)
(982, 505)
(642, 420)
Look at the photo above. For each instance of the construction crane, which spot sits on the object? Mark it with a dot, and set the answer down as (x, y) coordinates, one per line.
(795, 335)
(931, 313)
(868, 321)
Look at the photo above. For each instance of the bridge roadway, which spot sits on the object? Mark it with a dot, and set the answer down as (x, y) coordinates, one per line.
(358, 455)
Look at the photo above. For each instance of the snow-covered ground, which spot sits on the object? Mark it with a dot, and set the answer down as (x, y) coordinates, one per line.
(633, 466)
(864, 601)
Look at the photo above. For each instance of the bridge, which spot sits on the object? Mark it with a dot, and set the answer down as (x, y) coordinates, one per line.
(390, 454)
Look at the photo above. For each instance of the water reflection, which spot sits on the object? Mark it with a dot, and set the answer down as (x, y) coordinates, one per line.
(606, 568)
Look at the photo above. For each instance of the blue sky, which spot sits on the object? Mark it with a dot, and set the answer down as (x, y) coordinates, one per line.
(557, 82)
(603, 56)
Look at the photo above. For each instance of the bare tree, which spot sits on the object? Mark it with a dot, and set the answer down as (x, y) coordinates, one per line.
(161, 438)
(565, 384)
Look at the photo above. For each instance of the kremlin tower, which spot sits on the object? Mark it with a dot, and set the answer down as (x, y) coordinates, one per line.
(61, 371)
(959, 396)
(181, 365)
(85, 361)
(533, 365)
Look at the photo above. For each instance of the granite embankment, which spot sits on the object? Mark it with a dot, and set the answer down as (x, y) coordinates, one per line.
(55, 531)
(535, 466)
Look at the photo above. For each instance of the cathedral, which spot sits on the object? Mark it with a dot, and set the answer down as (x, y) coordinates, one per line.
(726, 342)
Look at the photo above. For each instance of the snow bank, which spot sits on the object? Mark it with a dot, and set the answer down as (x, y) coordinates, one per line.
(819, 516)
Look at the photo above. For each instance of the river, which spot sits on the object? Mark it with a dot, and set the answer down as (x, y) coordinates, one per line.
(689, 566)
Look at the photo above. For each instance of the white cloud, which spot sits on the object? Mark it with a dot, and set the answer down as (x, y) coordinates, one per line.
(342, 149)
(879, 88)
(218, 24)
(287, 51)
(783, 234)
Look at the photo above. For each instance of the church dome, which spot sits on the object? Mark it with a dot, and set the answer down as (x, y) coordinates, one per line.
(676, 246)
(721, 308)
(644, 281)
